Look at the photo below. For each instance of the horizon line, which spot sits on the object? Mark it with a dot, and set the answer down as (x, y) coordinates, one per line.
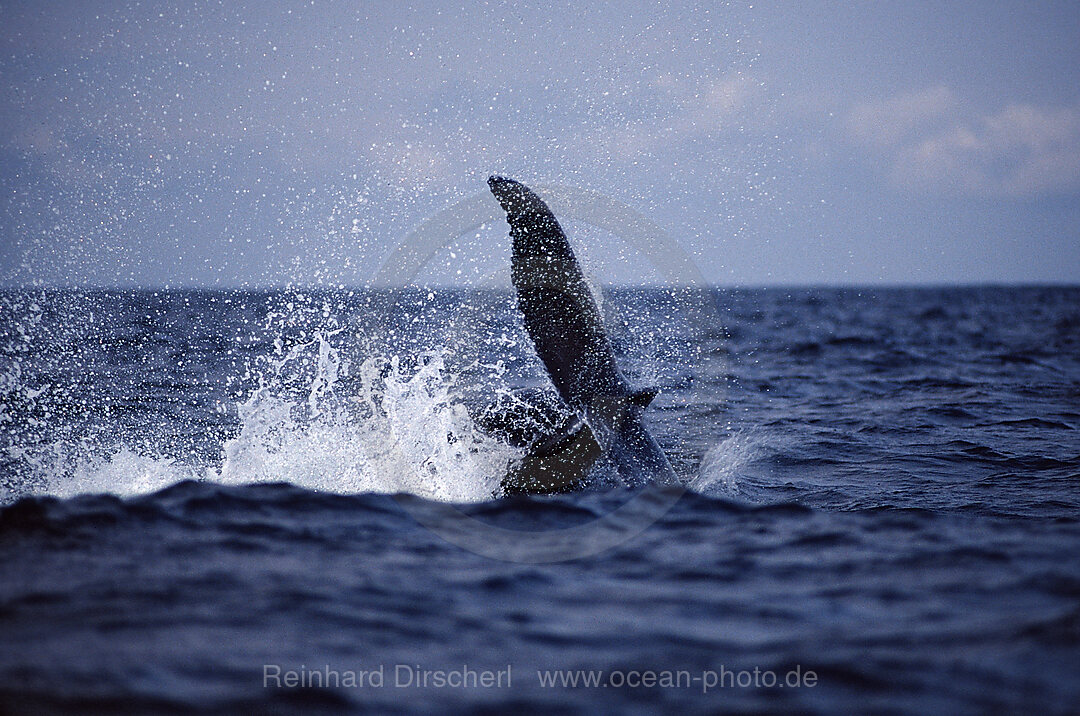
(508, 287)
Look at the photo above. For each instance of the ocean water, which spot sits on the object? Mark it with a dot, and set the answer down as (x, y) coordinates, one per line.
(208, 496)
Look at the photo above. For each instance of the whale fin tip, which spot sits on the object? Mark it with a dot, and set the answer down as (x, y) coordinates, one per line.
(643, 397)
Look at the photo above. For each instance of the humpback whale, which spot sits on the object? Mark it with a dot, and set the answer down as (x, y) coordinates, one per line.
(566, 328)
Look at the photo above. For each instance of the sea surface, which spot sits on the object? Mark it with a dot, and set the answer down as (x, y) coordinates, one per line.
(231, 501)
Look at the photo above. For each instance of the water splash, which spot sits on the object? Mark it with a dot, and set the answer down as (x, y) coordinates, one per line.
(402, 429)
(718, 475)
(400, 426)
(333, 392)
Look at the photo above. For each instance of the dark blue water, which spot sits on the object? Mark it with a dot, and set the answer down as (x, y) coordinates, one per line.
(201, 490)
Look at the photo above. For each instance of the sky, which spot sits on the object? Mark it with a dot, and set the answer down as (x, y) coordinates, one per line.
(224, 144)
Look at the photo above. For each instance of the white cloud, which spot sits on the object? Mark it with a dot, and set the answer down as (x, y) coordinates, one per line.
(714, 105)
(687, 109)
(889, 122)
(931, 146)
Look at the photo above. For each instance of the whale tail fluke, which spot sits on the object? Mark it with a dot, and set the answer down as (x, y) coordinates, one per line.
(568, 333)
(644, 397)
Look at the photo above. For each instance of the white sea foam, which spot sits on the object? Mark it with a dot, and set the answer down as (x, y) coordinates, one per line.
(401, 427)
(382, 421)
(719, 470)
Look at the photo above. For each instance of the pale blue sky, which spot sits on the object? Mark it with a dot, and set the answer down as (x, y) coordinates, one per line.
(795, 143)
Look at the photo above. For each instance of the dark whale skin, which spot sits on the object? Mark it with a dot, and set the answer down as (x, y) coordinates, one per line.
(566, 328)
